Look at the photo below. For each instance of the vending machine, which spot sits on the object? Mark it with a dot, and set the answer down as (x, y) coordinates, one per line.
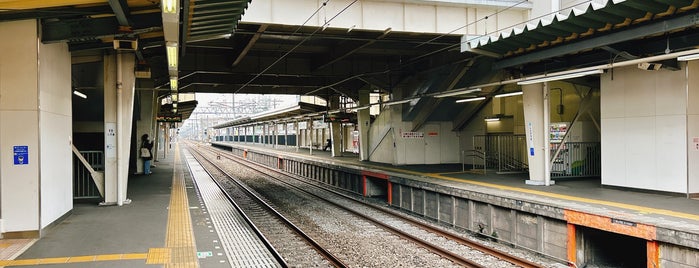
(572, 155)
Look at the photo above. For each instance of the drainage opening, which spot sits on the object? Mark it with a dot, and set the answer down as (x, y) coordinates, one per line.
(601, 249)
(377, 188)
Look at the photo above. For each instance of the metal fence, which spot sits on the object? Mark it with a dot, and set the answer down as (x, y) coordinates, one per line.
(503, 153)
(577, 159)
(507, 153)
(83, 185)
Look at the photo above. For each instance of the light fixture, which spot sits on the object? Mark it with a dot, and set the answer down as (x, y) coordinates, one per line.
(174, 110)
(172, 54)
(397, 102)
(79, 94)
(174, 105)
(508, 94)
(688, 57)
(492, 119)
(356, 109)
(455, 92)
(173, 84)
(470, 100)
(561, 76)
(170, 6)
(174, 97)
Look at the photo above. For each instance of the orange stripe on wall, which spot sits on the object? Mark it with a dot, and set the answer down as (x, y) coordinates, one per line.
(614, 225)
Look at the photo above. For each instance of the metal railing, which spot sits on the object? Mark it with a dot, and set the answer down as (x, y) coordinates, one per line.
(84, 186)
(504, 153)
(478, 160)
(577, 159)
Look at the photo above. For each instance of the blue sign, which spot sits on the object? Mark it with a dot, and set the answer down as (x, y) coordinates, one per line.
(21, 154)
(531, 151)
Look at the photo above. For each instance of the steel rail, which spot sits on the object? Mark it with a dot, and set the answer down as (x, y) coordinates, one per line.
(521, 262)
(335, 261)
(460, 260)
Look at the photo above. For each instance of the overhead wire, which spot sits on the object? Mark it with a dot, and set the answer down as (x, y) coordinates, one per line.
(415, 59)
(327, 22)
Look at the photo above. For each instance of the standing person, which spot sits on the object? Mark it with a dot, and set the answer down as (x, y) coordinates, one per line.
(328, 145)
(146, 153)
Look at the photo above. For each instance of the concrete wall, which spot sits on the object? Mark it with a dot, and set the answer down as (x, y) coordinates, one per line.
(693, 126)
(19, 125)
(35, 111)
(391, 141)
(55, 130)
(429, 16)
(644, 129)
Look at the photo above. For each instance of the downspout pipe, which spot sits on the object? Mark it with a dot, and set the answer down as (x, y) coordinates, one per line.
(120, 148)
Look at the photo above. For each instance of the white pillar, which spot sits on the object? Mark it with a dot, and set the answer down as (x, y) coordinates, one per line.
(298, 135)
(146, 124)
(363, 118)
(119, 89)
(536, 118)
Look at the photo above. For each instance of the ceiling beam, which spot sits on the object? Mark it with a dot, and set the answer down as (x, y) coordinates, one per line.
(121, 11)
(344, 52)
(431, 104)
(250, 44)
(93, 29)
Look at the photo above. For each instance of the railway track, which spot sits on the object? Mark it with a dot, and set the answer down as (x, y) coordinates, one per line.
(434, 239)
(263, 216)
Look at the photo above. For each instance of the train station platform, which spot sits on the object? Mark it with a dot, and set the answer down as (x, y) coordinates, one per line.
(166, 223)
(576, 220)
(586, 190)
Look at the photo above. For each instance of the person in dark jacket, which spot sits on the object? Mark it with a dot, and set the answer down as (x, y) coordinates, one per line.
(146, 153)
(328, 145)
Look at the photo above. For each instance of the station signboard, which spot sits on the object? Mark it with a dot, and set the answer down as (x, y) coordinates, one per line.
(169, 118)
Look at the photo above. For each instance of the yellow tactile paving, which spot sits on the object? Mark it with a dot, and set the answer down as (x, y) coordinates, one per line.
(158, 256)
(179, 250)
(180, 235)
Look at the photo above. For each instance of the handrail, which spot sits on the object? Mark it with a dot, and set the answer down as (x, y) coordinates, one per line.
(97, 177)
(376, 146)
(473, 153)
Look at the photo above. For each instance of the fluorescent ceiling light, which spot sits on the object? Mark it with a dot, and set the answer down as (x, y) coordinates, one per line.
(172, 54)
(492, 119)
(79, 94)
(170, 6)
(508, 94)
(174, 110)
(470, 100)
(173, 84)
(688, 57)
(174, 97)
(174, 105)
(397, 102)
(457, 92)
(547, 78)
(359, 108)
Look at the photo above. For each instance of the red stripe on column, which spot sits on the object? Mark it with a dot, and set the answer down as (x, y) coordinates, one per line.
(390, 193)
(653, 254)
(364, 185)
(571, 245)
